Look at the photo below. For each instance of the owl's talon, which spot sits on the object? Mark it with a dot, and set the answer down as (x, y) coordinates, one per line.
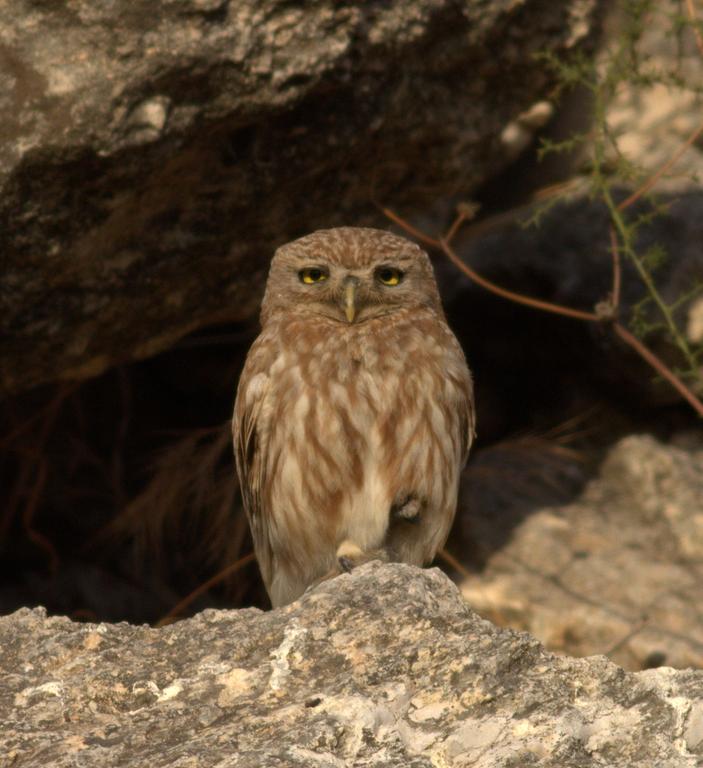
(347, 564)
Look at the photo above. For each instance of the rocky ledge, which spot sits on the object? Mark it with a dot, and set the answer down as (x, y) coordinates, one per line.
(387, 666)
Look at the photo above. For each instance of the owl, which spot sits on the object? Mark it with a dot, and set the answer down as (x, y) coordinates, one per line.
(354, 411)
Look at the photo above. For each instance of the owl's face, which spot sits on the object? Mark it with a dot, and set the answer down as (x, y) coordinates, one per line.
(350, 275)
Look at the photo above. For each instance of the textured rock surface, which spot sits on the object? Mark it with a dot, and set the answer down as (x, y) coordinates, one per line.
(386, 667)
(619, 571)
(152, 159)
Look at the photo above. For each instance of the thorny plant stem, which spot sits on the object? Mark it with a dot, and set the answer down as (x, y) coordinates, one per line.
(646, 277)
(615, 254)
(602, 186)
(654, 177)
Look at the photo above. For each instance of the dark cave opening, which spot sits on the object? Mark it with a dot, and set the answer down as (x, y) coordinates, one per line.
(120, 497)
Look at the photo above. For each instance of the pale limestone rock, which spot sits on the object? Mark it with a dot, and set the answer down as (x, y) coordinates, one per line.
(618, 571)
(384, 667)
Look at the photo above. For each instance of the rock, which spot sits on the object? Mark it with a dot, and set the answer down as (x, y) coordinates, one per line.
(151, 161)
(654, 117)
(564, 254)
(617, 572)
(386, 666)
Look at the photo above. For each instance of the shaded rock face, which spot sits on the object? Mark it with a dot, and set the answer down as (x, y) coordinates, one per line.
(654, 120)
(617, 572)
(383, 667)
(152, 159)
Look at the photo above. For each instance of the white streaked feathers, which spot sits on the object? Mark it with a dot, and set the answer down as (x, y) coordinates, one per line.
(336, 423)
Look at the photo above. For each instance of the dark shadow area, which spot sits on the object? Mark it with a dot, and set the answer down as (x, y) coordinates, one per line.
(120, 495)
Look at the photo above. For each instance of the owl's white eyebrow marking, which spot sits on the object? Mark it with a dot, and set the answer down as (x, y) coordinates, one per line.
(397, 258)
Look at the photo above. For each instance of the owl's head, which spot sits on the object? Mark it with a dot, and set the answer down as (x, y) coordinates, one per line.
(350, 274)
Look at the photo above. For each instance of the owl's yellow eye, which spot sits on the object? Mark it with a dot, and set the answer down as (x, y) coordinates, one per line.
(389, 275)
(311, 275)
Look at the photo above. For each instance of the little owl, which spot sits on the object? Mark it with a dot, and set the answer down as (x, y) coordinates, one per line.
(354, 411)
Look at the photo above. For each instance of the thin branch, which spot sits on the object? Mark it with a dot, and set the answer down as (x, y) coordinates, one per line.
(35, 536)
(615, 296)
(412, 231)
(21, 488)
(465, 212)
(691, 8)
(173, 614)
(544, 306)
(518, 298)
(654, 178)
(455, 227)
(602, 187)
(64, 391)
(659, 367)
(452, 562)
(486, 224)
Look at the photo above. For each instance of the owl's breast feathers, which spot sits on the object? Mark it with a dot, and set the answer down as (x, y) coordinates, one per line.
(334, 424)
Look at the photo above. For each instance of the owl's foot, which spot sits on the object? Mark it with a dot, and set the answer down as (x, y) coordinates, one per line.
(407, 508)
(350, 555)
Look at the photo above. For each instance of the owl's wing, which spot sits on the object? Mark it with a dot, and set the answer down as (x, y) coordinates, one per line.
(462, 395)
(467, 415)
(249, 455)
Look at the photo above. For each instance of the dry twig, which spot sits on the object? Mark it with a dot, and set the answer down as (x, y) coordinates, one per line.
(655, 362)
(177, 609)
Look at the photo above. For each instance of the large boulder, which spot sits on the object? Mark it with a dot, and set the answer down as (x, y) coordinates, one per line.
(152, 158)
(616, 572)
(384, 667)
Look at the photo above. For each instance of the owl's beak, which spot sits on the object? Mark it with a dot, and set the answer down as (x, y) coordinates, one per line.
(351, 285)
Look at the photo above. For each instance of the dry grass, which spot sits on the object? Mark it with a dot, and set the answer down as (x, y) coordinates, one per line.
(191, 501)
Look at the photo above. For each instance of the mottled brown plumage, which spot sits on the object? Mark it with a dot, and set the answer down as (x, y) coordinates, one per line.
(354, 411)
